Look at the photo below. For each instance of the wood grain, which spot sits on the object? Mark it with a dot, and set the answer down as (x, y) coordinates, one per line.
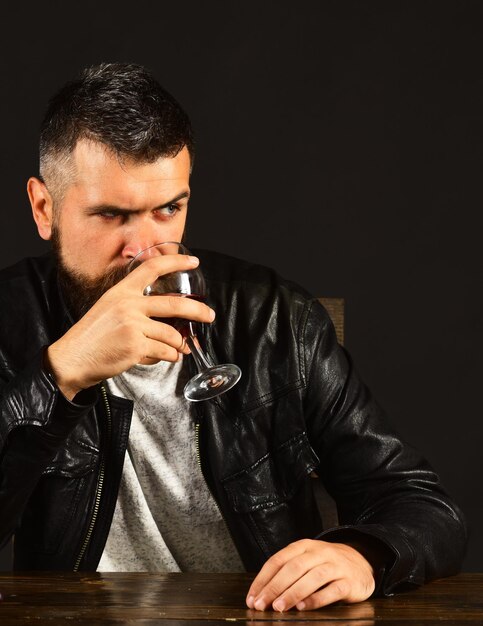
(207, 599)
(335, 309)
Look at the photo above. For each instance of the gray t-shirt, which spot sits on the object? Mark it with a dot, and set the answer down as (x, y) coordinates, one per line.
(166, 519)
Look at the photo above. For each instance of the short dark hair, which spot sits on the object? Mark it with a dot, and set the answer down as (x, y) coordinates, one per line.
(120, 105)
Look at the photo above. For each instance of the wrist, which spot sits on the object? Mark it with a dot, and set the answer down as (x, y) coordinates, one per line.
(67, 385)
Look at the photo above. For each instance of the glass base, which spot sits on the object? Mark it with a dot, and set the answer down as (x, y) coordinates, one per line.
(212, 382)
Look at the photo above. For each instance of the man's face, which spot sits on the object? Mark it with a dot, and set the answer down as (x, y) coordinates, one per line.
(112, 210)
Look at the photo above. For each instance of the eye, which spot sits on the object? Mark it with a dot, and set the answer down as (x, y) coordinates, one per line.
(108, 215)
(169, 211)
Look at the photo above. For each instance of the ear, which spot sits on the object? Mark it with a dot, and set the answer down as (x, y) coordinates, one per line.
(42, 206)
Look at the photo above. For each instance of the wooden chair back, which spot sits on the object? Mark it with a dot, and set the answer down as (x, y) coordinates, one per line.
(335, 308)
(326, 504)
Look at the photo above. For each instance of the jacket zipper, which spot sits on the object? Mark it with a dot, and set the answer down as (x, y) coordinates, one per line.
(100, 484)
(198, 458)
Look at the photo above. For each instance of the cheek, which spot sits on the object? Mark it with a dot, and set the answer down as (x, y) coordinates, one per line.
(159, 230)
(179, 227)
(89, 251)
(176, 233)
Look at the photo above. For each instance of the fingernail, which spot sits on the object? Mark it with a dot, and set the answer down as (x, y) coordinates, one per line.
(250, 601)
(279, 605)
(300, 605)
(259, 605)
(194, 260)
(212, 315)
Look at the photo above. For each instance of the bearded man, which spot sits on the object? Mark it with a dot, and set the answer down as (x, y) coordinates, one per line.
(99, 448)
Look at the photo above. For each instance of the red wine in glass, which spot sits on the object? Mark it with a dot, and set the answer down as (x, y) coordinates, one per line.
(211, 380)
(184, 327)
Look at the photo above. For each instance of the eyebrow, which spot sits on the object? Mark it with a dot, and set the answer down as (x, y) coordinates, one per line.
(100, 208)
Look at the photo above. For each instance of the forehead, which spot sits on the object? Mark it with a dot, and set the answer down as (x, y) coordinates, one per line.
(93, 162)
(100, 176)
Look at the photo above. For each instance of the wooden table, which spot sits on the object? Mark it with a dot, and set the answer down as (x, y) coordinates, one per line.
(143, 599)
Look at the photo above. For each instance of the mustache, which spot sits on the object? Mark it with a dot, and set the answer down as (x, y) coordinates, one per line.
(111, 278)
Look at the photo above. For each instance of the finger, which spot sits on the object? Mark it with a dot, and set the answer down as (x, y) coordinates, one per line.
(184, 348)
(316, 576)
(297, 579)
(336, 591)
(165, 333)
(148, 271)
(272, 566)
(155, 351)
(176, 306)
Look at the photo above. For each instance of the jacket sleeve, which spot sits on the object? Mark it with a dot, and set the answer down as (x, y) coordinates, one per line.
(389, 499)
(35, 419)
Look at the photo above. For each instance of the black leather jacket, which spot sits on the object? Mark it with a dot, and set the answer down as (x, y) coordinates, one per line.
(300, 409)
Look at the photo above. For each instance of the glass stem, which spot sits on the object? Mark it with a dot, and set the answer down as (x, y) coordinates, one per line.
(201, 360)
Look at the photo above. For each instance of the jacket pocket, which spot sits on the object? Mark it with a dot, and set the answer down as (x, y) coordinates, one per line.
(274, 478)
(77, 458)
(274, 498)
(60, 497)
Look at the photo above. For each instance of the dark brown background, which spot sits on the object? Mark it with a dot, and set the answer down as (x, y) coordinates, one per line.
(339, 142)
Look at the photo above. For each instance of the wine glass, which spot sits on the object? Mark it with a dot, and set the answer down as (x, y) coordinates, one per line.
(212, 380)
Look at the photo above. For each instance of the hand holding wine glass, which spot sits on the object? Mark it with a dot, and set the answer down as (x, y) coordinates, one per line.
(120, 330)
(211, 380)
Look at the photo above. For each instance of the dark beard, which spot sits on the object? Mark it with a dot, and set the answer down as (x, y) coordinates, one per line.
(80, 292)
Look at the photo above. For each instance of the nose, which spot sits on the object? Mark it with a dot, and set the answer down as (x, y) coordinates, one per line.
(140, 235)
